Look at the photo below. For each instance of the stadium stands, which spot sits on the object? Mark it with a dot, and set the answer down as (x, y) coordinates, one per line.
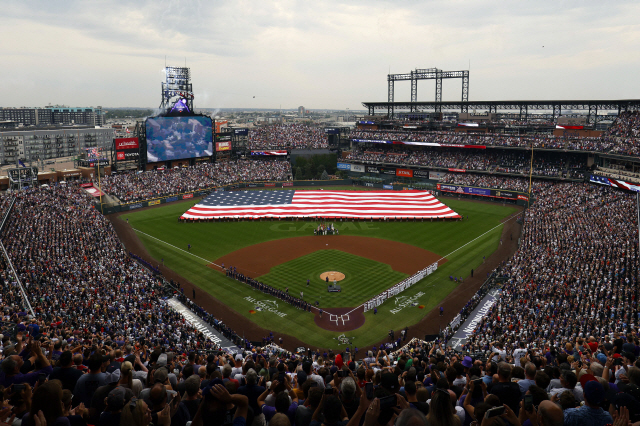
(287, 136)
(515, 162)
(623, 137)
(565, 328)
(133, 187)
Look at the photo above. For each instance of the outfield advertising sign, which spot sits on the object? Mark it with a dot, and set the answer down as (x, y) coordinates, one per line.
(372, 169)
(344, 166)
(187, 196)
(387, 186)
(357, 168)
(484, 192)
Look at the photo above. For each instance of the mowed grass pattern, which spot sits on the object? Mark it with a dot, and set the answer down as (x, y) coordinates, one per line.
(212, 240)
(364, 278)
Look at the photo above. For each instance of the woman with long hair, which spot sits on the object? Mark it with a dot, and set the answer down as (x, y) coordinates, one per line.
(441, 411)
(47, 398)
(136, 412)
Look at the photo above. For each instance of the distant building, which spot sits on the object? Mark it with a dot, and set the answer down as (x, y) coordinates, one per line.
(53, 115)
(53, 142)
(301, 111)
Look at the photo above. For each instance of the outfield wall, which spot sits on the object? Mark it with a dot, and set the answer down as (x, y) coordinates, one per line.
(192, 194)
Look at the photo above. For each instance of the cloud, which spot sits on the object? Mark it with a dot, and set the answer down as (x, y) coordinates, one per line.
(323, 54)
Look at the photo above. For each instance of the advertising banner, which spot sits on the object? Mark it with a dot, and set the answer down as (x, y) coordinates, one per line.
(458, 170)
(154, 202)
(388, 171)
(469, 325)
(436, 175)
(86, 185)
(278, 152)
(287, 183)
(477, 191)
(127, 155)
(404, 172)
(170, 199)
(187, 196)
(270, 185)
(127, 143)
(344, 166)
(357, 168)
(241, 132)
(223, 146)
(135, 206)
(372, 169)
(332, 130)
(387, 186)
(421, 173)
(504, 194)
(485, 192)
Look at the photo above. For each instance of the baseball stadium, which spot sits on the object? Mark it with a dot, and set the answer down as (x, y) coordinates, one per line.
(427, 234)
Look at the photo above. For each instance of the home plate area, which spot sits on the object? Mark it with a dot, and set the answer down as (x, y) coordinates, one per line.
(339, 319)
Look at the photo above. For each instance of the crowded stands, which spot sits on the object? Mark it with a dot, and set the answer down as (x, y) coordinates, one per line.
(623, 137)
(517, 162)
(287, 136)
(140, 186)
(561, 345)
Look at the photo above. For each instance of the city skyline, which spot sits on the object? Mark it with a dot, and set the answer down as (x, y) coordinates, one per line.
(323, 55)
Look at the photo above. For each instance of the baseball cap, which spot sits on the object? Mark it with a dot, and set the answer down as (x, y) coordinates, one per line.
(113, 377)
(586, 378)
(467, 362)
(302, 377)
(115, 399)
(594, 392)
(239, 357)
(162, 360)
(389, 381)
(602, 358)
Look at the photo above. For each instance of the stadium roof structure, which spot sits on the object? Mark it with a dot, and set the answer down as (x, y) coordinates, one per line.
(549, 109)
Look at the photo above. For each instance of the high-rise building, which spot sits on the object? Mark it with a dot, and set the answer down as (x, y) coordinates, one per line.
(53, 115)
(42, 144)
(301, 111)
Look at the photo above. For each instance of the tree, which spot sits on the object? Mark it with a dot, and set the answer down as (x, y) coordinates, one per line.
(324, 176)
(299, 175)
(308, 171)
(320, 170)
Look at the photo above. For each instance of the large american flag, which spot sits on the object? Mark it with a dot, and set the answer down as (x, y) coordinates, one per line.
(326, 204)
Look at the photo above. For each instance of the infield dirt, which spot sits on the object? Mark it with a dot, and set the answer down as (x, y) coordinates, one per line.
(430, 324)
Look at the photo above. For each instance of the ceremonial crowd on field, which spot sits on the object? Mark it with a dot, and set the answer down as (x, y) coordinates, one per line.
(559, 347)
(159, 183)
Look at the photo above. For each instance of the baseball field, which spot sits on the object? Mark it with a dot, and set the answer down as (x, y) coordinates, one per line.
(368, 257)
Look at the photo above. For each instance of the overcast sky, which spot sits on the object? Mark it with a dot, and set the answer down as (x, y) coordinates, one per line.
(320, 54)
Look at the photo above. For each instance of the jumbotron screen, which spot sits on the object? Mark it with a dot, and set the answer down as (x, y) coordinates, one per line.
(175, 138)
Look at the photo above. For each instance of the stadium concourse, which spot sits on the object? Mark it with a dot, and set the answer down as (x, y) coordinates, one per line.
(104, 347)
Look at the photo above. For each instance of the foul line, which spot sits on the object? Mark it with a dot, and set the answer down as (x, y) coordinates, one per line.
(194, 255)
(177, 248)
(444, 257)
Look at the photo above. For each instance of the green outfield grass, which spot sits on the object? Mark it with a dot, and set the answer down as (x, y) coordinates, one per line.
(464, 243)
(364, 278)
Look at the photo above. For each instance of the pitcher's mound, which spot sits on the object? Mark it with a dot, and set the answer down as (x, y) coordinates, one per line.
(333, 275)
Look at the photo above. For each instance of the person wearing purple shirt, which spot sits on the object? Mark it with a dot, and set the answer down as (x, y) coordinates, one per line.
(11, 374)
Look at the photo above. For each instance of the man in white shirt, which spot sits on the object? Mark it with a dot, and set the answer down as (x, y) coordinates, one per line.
(519, 353)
